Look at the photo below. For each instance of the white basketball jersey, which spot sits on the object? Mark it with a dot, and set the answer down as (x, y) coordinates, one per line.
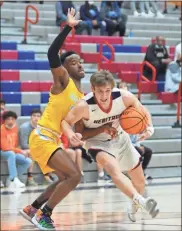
(99, 117)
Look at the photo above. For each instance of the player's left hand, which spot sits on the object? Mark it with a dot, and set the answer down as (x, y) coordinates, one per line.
(146, 134)
(72, 17)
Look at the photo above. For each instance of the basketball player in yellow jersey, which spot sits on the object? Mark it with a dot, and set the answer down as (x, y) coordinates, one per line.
(44, 140)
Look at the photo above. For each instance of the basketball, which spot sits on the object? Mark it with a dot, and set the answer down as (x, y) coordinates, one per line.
(133, 121)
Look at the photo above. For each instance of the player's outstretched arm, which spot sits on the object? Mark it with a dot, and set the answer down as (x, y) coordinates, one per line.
(78, 112)
(60, 74)
(130, 100)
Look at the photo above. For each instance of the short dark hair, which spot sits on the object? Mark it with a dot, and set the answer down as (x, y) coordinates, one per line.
(65, 55)
(35, 110)
(2, 101)
(101, 78)
(8, 114)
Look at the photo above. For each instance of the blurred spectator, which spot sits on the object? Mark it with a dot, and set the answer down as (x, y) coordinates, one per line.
(173, 74)
(11, 152)
(134, 8)
(111, 14)
(24, 133)
(123, 85)
(2, 108)
(155, 9)
(120, 3)
(90, 14)
(61, 16)
(158, 56)
(146, 4)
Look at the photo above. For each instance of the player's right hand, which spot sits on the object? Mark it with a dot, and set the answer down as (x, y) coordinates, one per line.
(75, 140)
(110, 130)
(72, 18)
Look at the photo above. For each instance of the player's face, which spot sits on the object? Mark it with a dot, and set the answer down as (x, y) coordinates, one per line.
(74, 67)
(103, 94)
(10, 122)
(35, 117)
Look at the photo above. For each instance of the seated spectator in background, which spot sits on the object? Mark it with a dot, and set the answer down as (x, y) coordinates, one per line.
(145, 152)
(24, 133)
(146, 4)
(133, 5)
(9, 150)
(120, 3)
(90, 14)
(158, 56)
(2, 108)
(173, 74)
(111, 14)
(155, 9)
(61, 16)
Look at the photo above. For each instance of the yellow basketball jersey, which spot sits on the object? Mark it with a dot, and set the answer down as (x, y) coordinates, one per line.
(59, 106)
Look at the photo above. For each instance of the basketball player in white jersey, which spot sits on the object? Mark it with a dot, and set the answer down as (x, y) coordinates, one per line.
(98, 114)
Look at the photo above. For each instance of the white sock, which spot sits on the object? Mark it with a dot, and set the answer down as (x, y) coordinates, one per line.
(138, 199)
(101, 174)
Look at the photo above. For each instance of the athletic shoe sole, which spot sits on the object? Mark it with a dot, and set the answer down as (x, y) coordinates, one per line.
(34, 221)
(130, 217)
(25, 215)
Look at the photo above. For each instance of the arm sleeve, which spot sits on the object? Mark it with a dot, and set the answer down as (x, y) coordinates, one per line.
(23, 137)
(53, 51)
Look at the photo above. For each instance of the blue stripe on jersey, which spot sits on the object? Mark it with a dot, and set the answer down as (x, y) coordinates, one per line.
(91, 101)
(116, 94)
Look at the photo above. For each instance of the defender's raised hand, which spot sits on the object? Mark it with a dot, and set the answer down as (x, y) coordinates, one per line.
(72, 18)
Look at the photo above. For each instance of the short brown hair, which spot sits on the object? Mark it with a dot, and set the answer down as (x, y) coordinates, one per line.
(101, 78)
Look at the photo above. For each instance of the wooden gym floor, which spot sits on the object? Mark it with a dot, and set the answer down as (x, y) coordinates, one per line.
(93, 207)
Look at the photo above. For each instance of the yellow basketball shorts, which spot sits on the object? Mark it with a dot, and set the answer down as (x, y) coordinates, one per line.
(42, 145)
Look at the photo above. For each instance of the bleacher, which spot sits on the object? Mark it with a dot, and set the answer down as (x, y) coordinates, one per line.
(26, 77)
